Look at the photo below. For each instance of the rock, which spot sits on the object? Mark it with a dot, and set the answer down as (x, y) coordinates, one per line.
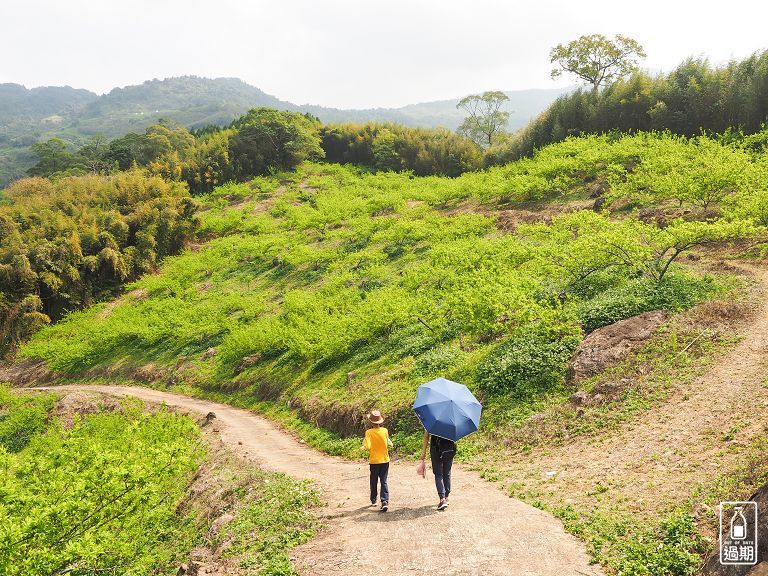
(609, 389)
(247, 362)
(712, 566)
(208, 354)
(599, 203)
(351, 377)
(210, 417)
(598, 188)
(611, 344)
(579, 399)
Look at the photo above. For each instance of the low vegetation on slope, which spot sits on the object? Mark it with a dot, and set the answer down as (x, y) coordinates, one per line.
(121, 491)
(332, 289)
(337, 289)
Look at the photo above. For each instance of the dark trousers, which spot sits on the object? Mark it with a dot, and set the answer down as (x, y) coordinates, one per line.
(379, 473)
(441, 467)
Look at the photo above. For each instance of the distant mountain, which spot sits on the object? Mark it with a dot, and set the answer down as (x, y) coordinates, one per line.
(524, 105)
(17, 101)
(188, 100)
(30, 115)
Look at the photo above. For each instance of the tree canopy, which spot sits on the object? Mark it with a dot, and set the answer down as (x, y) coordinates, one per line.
(268, 140)
(485, 119)
(597, 59)
(67, 243)
(695, 97)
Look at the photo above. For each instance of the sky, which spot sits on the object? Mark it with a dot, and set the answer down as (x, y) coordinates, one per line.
(352, 53)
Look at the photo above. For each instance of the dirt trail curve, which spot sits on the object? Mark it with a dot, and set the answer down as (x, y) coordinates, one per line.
(483, 531)
(700, 432)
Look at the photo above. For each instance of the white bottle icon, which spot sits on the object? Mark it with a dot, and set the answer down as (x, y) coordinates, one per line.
(738, 525)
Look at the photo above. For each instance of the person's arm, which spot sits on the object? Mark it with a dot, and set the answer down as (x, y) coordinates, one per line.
(389, 440)
(366, 442)
(424, 447)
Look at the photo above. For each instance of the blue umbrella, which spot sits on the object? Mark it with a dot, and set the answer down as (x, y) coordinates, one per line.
(447, 409)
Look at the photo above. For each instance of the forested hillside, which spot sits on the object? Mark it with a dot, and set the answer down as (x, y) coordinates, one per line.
(75, 116)
(695, 97)
(66, 244)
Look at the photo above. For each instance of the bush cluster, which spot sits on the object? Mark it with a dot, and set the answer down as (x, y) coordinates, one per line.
(67, 243)
(99, 497)
(533, 358)
(694, 97)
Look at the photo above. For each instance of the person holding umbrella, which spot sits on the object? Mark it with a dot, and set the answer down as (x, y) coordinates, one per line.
(441, 453)
(448, 411)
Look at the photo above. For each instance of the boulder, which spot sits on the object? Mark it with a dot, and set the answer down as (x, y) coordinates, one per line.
(247, 362)
(611, 344)
(579, 399)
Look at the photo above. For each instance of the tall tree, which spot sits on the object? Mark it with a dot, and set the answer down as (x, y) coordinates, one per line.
(52, 156)
(597, 59)
(485, 118)
(269, 140)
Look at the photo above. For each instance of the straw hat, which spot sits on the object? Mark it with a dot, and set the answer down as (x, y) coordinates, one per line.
(375, 417)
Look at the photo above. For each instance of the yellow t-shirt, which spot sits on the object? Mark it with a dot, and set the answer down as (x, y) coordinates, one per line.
(376, 442)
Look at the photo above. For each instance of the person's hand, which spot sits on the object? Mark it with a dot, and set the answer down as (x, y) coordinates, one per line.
(421, 469)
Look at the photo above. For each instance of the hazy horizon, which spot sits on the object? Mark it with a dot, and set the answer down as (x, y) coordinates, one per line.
(454, 97)
(346, 54)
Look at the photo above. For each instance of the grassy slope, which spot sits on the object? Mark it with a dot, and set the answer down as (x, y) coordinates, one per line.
(122, 490)
(345, 290)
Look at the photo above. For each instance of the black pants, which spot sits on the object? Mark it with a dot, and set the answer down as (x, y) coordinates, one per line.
(441, 467)
(379, 472)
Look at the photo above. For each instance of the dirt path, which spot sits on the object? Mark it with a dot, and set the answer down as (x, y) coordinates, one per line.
(701, 432)
(483, 531)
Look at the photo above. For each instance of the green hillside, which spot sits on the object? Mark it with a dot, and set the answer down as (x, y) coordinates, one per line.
(318, 294)
(31, 115)
(337, 289)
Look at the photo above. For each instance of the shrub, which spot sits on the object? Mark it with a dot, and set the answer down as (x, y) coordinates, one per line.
(674, 551)
(533, 358)
(21, 417)
(99, 498)
(436, 360)
(675, 293)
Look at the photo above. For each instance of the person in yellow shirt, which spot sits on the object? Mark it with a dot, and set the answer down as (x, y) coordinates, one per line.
(377, 442)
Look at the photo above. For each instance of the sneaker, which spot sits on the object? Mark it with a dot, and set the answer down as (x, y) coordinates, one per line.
(384, 506)
(373, 502)
(443, 504)
(446, 502)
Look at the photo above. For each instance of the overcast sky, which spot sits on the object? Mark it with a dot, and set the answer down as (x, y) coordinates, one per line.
(351, 53)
